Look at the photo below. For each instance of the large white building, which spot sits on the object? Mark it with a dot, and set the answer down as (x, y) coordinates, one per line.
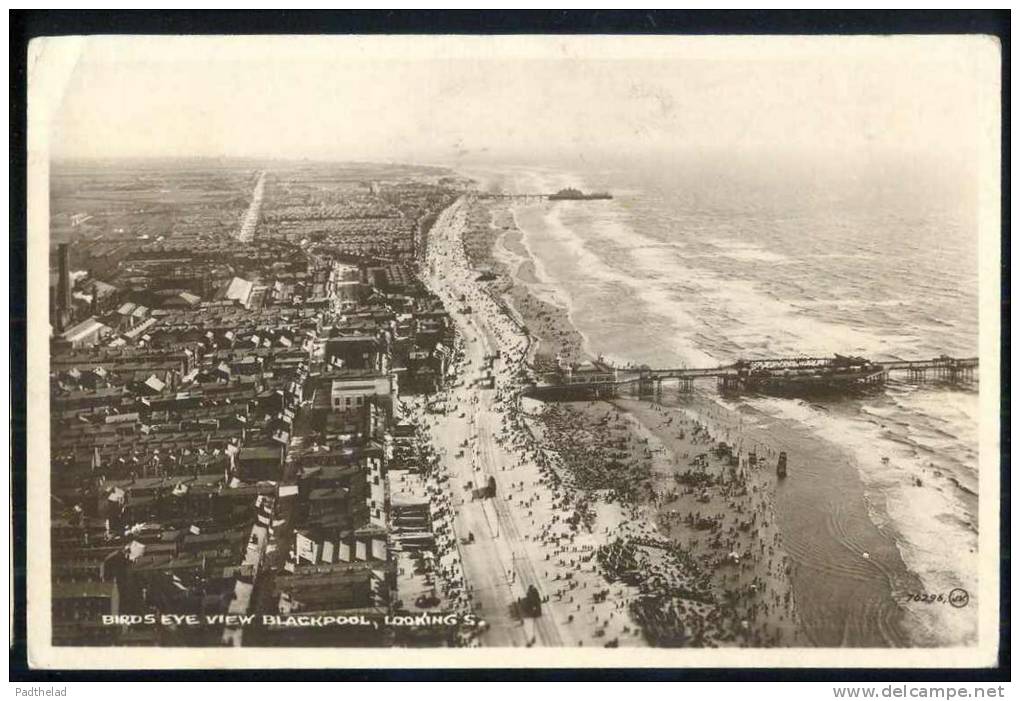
(87, 333)
(352, 394)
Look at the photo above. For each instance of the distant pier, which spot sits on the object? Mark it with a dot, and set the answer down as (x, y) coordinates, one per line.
(526, 197)
(561, 196)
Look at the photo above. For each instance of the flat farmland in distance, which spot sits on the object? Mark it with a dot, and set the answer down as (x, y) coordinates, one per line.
(144, 200)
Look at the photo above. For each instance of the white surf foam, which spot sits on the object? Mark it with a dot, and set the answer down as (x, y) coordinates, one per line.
(927, 520)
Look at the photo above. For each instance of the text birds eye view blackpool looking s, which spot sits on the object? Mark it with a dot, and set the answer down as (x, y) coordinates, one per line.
(720, 392)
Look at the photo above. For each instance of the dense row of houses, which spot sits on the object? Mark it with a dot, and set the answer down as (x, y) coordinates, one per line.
(223, 446)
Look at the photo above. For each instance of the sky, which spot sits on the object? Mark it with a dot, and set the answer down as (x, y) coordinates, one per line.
(433, 99)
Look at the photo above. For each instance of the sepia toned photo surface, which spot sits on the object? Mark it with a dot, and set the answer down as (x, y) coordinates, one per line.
(513, 351)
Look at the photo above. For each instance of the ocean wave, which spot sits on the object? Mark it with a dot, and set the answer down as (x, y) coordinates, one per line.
(927, 519)
(742, 250)
(705, 285)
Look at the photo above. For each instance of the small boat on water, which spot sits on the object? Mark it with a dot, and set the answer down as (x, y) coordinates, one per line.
(781, 465)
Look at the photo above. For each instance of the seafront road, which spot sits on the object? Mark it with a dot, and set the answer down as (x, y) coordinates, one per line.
(497, 564)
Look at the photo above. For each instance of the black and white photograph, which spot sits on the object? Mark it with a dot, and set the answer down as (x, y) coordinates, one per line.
(513, 351)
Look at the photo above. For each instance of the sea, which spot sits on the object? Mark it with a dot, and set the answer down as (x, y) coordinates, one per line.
(705, 260)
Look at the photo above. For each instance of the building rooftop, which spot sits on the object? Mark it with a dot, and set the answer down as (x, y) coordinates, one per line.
(238, 289)
(83, 329)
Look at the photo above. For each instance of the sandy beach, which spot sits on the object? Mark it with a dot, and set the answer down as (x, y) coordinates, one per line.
(626, 541)
(701, 534)
(522, 535)
(792, 562)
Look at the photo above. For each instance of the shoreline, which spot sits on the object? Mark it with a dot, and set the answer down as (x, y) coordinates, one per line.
(705, 602)
(517, 536)
(815, 578)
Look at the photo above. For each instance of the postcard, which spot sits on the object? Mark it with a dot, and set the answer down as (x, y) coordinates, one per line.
(513, 351)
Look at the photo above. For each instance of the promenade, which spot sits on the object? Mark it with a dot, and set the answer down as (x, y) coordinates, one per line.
(521, 535)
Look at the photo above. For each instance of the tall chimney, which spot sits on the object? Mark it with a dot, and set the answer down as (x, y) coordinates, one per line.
(64, 282)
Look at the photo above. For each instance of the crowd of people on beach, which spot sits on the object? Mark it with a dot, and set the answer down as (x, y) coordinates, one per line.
(696, 560)
(541, 506)
(719, 506)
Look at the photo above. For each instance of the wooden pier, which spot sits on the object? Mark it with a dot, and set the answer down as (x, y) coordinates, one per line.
(785, 376)
(525, 197)
(943, 368)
